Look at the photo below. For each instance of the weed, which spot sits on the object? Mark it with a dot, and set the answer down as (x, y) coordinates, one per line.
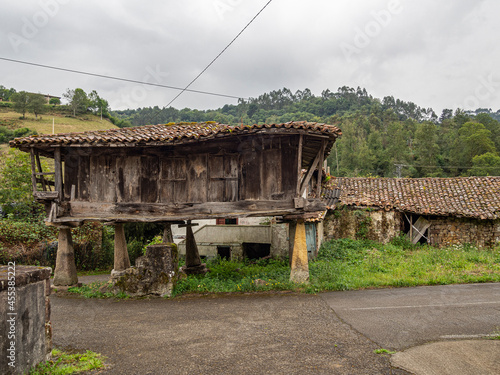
(65, 363)
(383, 351)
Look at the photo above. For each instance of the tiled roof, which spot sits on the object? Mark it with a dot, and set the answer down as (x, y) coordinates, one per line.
(476, 197)
(169, 133)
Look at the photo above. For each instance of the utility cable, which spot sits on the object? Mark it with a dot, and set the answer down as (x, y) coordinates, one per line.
(216, 57)
(119, 78)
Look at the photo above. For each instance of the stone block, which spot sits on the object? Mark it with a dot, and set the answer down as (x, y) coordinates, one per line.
(154, 273)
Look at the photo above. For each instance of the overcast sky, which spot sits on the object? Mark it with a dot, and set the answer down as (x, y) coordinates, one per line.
(439, 54)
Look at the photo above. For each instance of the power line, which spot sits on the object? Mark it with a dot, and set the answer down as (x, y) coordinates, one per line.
(119, 78)
(216, 57)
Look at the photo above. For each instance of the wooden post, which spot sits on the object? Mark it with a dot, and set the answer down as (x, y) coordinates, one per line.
(33, 170)
(320, 169)
(300, 264)
(299, 164)
(65, 272)
(122, 260)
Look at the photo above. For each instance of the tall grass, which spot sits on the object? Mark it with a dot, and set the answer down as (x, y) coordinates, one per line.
(350, 264)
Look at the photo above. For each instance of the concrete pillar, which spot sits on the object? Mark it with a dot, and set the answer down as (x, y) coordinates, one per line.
(65, 272)
(300, 264)
(122, 261)
(167, 234)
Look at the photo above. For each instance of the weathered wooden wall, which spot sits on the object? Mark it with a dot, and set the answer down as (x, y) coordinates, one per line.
(252, 168)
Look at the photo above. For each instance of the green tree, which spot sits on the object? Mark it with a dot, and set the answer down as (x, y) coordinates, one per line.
(36, 104)
(97, 104)
(426, 149)
(78, 100)
(473, 139)
(21, 102)
(16, 192)
(55, 101)
(487, 164)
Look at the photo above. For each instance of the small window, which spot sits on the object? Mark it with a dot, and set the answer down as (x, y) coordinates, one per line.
(224, 252)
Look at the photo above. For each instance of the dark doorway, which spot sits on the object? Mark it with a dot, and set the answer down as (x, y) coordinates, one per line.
(256, 250)
(224, 252)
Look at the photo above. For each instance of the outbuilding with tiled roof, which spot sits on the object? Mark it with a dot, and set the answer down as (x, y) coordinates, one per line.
(441, 211)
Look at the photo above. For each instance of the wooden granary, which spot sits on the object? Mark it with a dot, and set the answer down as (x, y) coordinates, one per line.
(177, 172)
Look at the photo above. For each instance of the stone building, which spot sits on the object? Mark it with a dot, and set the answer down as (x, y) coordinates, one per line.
(438, 211)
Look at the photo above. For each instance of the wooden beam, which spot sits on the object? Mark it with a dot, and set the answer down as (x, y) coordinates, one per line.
(33, 170)
(320, 168)
(299, 163)
(310, 171)
(40, 172)
(58, 178)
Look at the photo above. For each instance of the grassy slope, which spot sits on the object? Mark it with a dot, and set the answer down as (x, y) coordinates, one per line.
(63, 124)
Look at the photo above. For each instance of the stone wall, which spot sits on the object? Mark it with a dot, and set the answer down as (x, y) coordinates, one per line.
(445, 231)
(25, 330)
(358, 223)
(382, 226)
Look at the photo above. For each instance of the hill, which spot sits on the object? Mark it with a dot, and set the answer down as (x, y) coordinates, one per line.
(11, 121)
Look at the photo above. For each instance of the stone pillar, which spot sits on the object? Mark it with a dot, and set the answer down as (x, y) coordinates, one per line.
(300, 264)
(193, 261)
(167, 234)
(122, 261)
(65, 272)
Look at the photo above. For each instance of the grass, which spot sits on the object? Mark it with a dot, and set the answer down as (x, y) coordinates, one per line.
(383, 351)
(66, 363)
(62, 123)
(346, 265)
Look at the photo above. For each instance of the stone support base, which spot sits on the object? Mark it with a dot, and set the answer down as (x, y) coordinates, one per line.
(195, 270)
(299, 261)
(65, 271)
(122, 260)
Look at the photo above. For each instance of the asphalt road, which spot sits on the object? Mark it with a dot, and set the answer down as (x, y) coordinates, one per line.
(240, 334)
(405, 317)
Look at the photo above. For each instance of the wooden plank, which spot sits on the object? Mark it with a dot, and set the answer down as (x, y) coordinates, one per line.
(83, 178)
(289, 168)
(271, 173)
(173, 180)
(420, 226)
(149, 179)
(231, 172)
(197, 178)
(94, 178)
(70, 173)
(299, 163)
(39, 166)
(33, 171)
(180, 211)
(320, 169)
(310, 171)
(216, 183)
(58, 176)
(128, 188)
(250, 179)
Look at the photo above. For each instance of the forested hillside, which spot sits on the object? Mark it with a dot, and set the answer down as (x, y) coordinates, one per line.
(381, 137)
